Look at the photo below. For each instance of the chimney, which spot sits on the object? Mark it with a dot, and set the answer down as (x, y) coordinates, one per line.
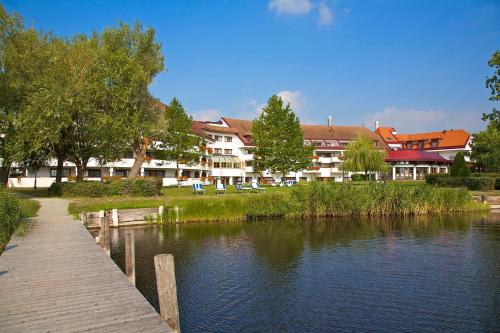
(377, 124)
(329, 120)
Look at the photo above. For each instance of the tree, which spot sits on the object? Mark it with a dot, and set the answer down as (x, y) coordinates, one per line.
(486, 144)
(362, 155)
(459, 167)
(279, 140)
(493, 83)
(486, 148)
(177, 142)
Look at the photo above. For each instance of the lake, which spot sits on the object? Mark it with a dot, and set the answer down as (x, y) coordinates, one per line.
(422, 274)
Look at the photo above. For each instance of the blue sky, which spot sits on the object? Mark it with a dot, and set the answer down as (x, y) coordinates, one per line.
(416, 65)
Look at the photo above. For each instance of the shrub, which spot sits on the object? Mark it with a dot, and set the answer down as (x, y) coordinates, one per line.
(358, 177)
(472, 183)
(433, 178)
(459, 167)
(136, 187)
(10, 216)
(496, 176)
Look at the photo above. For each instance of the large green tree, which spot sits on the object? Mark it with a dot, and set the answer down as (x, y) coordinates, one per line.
(177, 142)
(279, 140)
(486, 144)
(361, 155)
(459, 167)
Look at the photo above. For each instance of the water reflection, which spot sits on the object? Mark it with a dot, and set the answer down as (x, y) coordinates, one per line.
(417, 274)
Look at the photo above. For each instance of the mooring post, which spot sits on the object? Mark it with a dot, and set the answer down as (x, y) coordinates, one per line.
(115, 218)
(101, 224)
(160, 213)
(176, 210)
(130, 256)
(167, 290)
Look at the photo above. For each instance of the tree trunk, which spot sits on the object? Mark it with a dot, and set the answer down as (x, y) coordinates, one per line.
(34, 185)
(4, 174)
(140, 157)
(60, 164)
(80, 170)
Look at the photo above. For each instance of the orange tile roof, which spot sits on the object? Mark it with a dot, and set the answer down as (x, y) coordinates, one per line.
(446, 139)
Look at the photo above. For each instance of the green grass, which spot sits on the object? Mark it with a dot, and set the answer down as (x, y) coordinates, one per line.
(29, 207)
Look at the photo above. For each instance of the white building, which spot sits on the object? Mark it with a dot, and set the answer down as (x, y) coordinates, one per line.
(227, 156)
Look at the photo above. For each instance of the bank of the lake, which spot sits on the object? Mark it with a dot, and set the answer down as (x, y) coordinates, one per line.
(315, 199)
(426, 273)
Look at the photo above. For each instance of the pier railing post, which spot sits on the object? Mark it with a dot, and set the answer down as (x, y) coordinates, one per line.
(176, 210)
(130, 256)
(167, 290)
(160, 214)
(115, 218)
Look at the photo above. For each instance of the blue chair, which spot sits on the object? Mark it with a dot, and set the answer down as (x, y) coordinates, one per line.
(241, 188)
(198, 188)
(256, 186)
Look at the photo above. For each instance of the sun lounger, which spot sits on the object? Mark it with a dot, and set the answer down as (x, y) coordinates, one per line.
(241, 188)
(220, 188)
(198, 188)
(256, 187)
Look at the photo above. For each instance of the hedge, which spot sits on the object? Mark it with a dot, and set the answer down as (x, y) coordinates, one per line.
(472, 183)
(10, 216)
(496, 176)
(135, 187)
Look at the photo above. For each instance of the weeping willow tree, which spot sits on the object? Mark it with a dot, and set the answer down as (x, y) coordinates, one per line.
(361, 155)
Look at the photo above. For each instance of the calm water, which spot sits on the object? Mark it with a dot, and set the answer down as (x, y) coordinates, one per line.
(420, 275)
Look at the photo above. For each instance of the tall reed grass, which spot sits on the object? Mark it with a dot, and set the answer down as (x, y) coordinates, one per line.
(374, 199)
(11, 216)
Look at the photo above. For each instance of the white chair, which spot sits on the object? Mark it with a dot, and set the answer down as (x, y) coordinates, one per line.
(220, 188)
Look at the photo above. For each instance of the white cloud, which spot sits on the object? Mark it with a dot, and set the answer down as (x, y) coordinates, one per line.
(294, 98)
(303, 7)
(291, 7)
(207, 115)
(325, 14)
(412, 120)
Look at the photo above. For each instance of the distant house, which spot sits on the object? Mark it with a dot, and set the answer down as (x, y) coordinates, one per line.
(413, 155)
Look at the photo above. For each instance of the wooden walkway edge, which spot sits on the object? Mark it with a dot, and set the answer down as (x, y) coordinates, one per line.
(57, 279)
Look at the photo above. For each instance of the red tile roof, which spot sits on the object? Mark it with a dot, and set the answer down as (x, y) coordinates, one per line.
(414, 155)
(446, 139)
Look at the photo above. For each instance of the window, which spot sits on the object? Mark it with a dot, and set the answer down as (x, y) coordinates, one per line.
(92, 173)
(228, 151)
(218, 150)
(248, 163)
(224, 165)
(154, 173)
(186, 173)
(66, 172)
(421, 144)
(325, 165)
(121, 172)
(248, 151)
(236, 165)
(218, 138)
(435, 142)
(217, 165)
(228, 139)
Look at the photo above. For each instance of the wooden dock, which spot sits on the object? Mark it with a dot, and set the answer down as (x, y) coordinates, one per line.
(57, 279)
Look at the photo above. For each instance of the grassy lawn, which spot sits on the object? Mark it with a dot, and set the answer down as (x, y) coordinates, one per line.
(172, 196)
(29, 207)
(41, 192)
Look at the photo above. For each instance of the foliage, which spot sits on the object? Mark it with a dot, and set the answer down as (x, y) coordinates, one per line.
(135, 187)
(459, 167)
(357, 177)
(362, 155)
(10, 216)
(486, 148)
(493, 83)
(472, 183)
(279, 140)
(177, 141)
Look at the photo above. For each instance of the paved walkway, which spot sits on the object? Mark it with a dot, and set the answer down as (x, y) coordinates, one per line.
(57, 279)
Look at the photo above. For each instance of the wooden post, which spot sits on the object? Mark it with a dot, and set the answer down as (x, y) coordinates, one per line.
(115, 218)
(167, 290)
(104, 233)
(160, 213)
(101, 224)
(176, 210)
(130, 256)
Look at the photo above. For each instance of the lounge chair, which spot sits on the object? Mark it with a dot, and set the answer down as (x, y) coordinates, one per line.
(198, 188)
(241, 188)
(256, 186)
(291, 183)
(220, 188)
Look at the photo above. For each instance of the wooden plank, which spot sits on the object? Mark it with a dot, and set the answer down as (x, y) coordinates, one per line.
(58, 279)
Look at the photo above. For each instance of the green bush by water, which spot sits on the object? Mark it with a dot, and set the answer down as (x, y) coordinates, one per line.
(472, 183)
(135, 187)
(11, 216)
